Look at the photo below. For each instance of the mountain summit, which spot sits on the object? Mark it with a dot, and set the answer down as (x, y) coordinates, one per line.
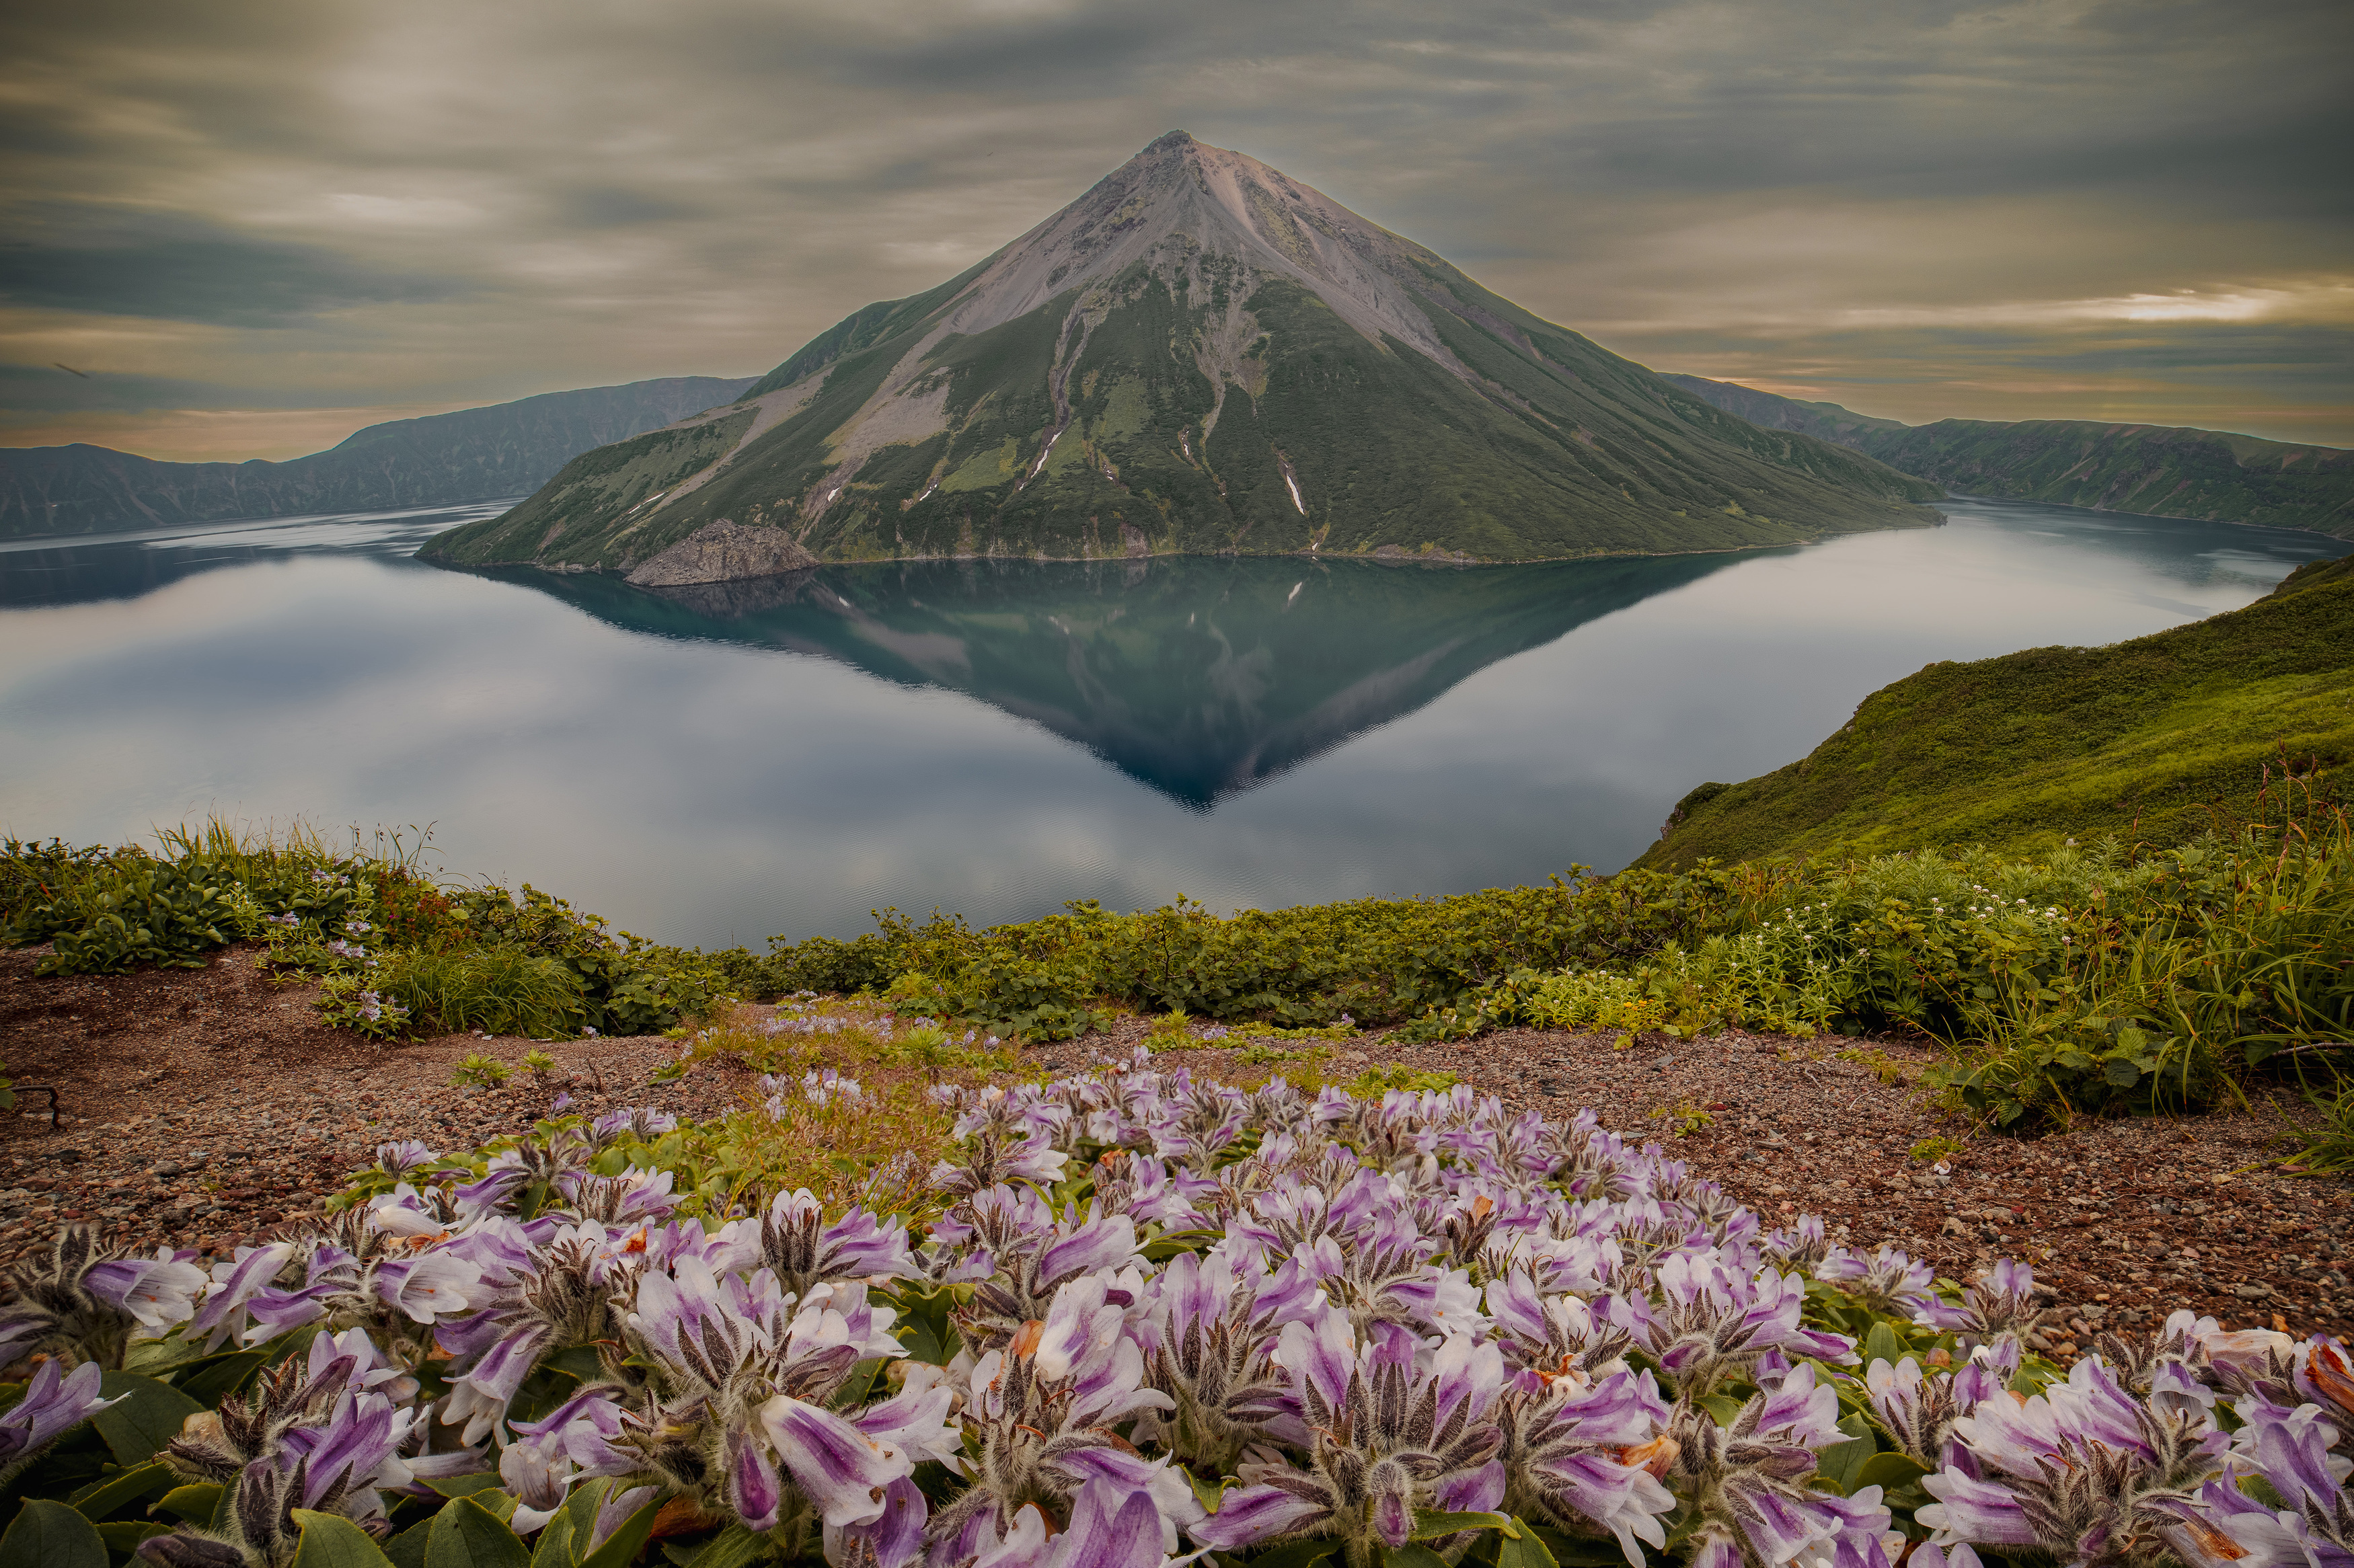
(1202, 354)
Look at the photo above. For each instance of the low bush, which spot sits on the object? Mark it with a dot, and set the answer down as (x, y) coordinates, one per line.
(140, 912)
(499, 990)
(398, 950)
(2084, 980)
(1379, 960)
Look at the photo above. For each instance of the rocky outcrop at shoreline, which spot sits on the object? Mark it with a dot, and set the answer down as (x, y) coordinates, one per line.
(723, 552)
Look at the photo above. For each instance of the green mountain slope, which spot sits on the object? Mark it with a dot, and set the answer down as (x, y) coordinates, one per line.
(2140, 739)
(2158, 471)
(1203, 355)
(473, 455)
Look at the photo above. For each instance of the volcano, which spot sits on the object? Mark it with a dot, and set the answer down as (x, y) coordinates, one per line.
(1201, 356)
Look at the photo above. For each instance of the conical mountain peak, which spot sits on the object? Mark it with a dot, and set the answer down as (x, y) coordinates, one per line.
(1180, 203)
(1201, 354)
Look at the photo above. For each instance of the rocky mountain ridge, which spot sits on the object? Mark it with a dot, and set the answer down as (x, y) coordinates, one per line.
(472, 454)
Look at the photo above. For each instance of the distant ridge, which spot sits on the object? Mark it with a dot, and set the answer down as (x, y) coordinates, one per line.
(2158, 471)
(473, 455)
(1202, 354)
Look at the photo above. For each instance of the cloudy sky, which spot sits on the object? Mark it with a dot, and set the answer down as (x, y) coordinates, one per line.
(253, 226)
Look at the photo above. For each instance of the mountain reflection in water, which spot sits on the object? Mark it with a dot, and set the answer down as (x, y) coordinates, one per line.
(1198, 676)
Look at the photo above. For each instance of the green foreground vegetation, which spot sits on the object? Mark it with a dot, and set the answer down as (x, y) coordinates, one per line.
(398, 950)
(2153, 741)
(2105, 978)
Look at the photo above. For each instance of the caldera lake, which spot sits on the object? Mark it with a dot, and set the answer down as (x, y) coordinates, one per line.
(717, 765)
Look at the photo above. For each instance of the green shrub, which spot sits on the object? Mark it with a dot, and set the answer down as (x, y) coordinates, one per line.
(2081, 981)
(823, 965)
(1375, 1082)
(499, 990)
(1377, 960)
(140, 911)
(50, 877)
(482, 1069)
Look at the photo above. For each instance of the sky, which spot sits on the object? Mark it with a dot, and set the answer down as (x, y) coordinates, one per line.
(252, 226)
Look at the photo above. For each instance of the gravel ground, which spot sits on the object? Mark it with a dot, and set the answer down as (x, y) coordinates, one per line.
(209, 1107)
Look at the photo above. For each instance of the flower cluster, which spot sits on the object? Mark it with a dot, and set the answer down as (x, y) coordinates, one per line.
(1153, 1316)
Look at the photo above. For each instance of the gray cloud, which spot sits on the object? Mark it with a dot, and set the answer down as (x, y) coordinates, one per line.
(341, 202)
(612, 206)
(44, 388)
(182, 267)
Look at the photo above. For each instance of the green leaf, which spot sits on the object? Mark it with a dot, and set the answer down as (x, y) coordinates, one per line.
(1838, 1463)
(1163, 1247)
(1298, 1553)
(468, 1535)
(1579, 1551)
(554, 1548)
(149, 1415)
(580, 1508)
(2121, 1073)
(1521, 1548)
(464, 1486)
(154, 1357)
(194, 1503)
(47, 1535)
(1429, 1525)
(733, 1547)
(1411, 1556)
(125, 1534)
(1889, 1470)
(856, 1388)
(1723, 1407)
(1882, 1344)
(407, 1550)
(110, 1493)
(331, 1541)
(578, 1363)
(622, 1545)
(215, 1378)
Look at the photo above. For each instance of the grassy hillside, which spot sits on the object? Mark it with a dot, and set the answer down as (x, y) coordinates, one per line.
(1772, 412)
(2145, 739)
(2158, 471)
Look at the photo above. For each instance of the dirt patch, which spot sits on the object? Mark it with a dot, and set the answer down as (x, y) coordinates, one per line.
(204, 1108)
(209, 1106)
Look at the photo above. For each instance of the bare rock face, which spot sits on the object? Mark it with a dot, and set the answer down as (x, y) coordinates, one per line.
(723, 552)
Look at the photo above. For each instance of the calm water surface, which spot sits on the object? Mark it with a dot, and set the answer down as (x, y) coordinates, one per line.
(716, 764)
